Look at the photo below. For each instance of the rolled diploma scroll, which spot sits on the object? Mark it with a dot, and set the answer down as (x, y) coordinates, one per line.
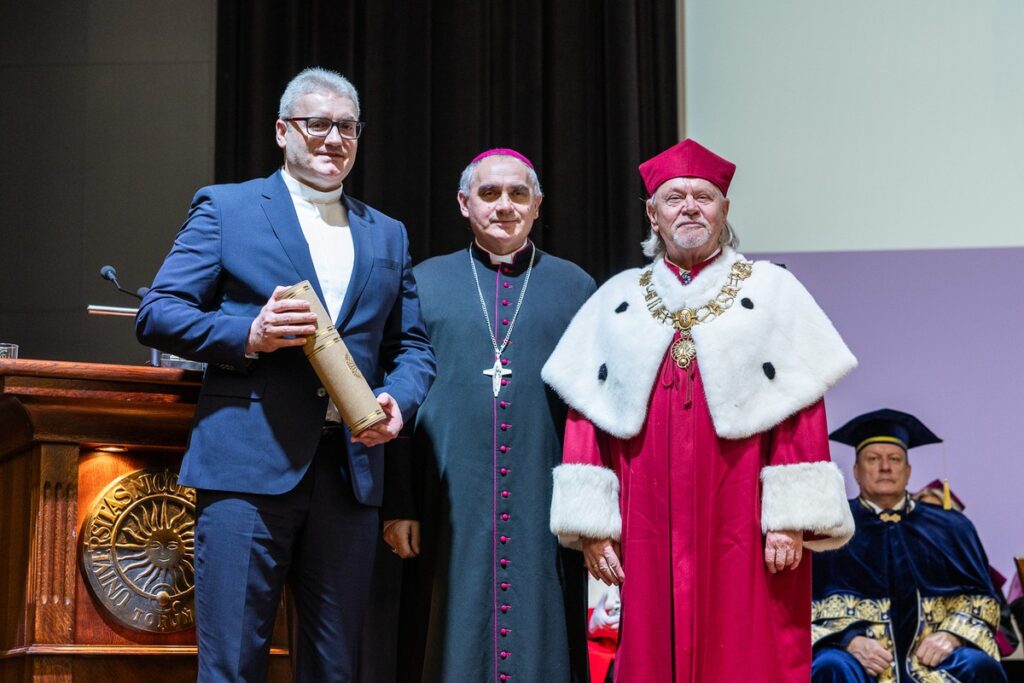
(335, 367)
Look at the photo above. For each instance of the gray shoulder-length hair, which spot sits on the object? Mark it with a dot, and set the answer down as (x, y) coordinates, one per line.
(654, 248)
(315, 79)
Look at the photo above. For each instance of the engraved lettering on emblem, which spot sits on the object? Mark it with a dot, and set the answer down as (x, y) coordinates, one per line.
(137, 551)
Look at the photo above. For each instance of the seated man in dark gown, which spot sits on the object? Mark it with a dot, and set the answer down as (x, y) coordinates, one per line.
(909, 599)
(937, 492)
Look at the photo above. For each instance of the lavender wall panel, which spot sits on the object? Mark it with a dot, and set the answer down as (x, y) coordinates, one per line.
(938, 333)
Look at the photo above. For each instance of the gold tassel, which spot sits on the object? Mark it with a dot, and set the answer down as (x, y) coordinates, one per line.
(947, 500)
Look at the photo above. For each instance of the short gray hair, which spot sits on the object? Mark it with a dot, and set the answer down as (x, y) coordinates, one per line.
(315, 79)
(654, 248)
(466, 179)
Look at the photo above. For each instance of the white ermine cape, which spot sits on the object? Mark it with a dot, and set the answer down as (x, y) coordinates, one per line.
(772, 353)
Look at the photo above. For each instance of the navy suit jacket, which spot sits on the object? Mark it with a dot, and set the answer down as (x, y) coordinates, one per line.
(258, 421)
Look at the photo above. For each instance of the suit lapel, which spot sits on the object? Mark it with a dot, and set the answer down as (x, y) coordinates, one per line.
(280, 211)
(362, 244)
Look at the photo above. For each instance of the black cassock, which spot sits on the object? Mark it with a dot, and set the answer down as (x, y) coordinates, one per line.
(494, 596)
(905, 575)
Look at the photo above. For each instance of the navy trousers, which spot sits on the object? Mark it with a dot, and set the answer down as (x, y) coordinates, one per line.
(318, 540)
(966, 664)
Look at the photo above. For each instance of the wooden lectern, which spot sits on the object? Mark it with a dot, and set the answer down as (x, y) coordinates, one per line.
(96, 573)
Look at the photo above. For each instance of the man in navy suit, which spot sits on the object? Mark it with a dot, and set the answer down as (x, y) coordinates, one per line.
(284, 493)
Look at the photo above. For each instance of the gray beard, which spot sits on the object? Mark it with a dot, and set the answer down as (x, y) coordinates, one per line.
(691, 240)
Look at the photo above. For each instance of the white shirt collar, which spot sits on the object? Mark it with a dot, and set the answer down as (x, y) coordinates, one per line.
(877, 508)
(312, 195)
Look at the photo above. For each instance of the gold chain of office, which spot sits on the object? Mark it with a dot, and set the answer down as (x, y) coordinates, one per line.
(684, 350)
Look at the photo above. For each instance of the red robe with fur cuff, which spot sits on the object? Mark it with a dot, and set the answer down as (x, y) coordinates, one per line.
(698, 603)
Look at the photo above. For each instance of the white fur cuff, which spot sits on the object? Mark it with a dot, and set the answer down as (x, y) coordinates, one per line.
(809, 496)
(585, 502)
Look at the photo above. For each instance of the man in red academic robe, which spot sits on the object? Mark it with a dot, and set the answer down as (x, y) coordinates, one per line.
(696, 453)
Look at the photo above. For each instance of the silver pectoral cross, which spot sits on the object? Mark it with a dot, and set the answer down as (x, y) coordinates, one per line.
(496, 372)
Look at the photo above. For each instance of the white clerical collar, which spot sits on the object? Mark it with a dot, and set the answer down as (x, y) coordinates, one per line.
(502, 258)
(877, 508)
(312, 195)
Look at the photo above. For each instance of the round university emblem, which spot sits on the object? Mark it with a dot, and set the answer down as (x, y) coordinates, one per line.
(137, 551)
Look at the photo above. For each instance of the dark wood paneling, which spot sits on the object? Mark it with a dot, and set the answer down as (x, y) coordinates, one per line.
(67, 430)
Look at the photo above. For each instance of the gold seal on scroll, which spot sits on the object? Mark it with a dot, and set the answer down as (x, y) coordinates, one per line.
(137, 551)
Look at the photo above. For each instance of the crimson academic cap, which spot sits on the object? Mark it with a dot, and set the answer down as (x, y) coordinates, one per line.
(687, 159)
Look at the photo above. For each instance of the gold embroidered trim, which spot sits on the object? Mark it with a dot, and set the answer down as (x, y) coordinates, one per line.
(827, 627)
(970, 617)
(837, 612)
(843, 605)
(919, 673)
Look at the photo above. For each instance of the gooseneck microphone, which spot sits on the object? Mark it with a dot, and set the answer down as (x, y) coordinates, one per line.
(108, 273)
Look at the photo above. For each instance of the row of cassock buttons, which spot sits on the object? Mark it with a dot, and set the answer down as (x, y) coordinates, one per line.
(504, 562)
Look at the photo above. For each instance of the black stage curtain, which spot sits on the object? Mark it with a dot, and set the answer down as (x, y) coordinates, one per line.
(585, 88)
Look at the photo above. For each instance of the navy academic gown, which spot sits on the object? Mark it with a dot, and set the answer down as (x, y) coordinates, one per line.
(905, 575)
(496, 597)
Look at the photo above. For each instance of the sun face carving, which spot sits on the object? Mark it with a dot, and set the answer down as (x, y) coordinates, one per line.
(154, 545)
(138, 548)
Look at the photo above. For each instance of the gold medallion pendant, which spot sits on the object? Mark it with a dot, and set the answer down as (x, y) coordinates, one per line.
(684, 319)
(684, 351)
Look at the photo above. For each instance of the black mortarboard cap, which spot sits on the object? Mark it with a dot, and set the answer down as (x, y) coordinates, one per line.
(884, 426)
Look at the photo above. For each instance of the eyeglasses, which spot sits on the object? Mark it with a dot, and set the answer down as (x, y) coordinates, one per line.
(320, 126)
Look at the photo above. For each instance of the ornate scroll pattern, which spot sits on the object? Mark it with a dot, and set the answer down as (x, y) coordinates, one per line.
(837, 612)
(974, 618)
(969, 617)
